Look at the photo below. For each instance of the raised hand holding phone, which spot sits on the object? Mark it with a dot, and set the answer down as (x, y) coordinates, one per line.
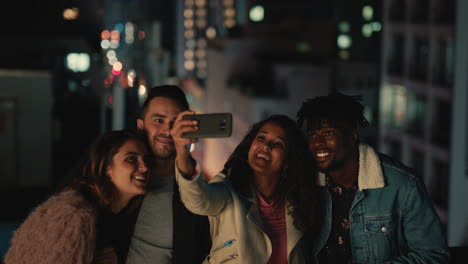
(184, 160)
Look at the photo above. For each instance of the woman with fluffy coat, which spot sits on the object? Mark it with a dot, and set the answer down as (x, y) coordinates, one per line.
(90, 221)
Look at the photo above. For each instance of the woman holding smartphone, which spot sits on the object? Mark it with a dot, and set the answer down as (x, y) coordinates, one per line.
(265, 199)
(90, 221)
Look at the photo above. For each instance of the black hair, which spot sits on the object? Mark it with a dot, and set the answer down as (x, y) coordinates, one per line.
(297, 188)
(167, 91)
(333, 108)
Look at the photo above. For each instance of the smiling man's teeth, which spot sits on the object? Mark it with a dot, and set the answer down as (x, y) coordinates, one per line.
(321, 155)
(141, 178)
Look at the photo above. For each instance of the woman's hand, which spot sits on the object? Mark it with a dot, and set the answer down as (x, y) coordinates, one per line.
(184, 161)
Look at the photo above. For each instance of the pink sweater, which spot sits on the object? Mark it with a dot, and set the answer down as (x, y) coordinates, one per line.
(274, 222)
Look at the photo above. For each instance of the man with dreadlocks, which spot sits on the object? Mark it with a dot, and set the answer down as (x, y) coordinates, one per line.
(376, 209)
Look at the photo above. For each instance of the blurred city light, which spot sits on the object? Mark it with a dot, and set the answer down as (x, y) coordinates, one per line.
(111, 54)
(117, 66)
(211, 33)
(189, 65)
(229, 23)
(71, 13)
(303, 47)
(129, 33)
(188, 13)
(344, 41)
(367, 12)
(115, 35)
(105, 34)
(113, 60)
(78, 62)
(200, 3)
(141, 35)
(131, 77)
(114, 72)
(142, 90)
(201, 23)
(189, 54)
(119, 27)
(257, 13)
(366, 30)
(114, 44)
(105, 44)
(376, 26)
(343, 54)
(344, 26)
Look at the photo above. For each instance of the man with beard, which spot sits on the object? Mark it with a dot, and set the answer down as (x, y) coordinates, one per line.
(165, 231)
(376, 209)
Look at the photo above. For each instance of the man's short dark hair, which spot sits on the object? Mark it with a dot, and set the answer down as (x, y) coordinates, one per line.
(167, 91)
(333, 108)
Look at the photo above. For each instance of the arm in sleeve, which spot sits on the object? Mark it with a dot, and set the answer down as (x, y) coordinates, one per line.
(201, 197)
(422, 229)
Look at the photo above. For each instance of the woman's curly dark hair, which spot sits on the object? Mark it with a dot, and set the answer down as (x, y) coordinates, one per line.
(298, 188)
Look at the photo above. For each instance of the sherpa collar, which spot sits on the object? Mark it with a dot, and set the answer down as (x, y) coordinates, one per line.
(370, 172)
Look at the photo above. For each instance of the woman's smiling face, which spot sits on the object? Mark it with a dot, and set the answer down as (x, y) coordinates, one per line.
(267, 153)
(128, 170)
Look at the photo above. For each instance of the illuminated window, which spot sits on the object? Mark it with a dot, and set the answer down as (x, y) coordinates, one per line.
(367, 12)
(257, 13)
(344, 41)
(78, 62)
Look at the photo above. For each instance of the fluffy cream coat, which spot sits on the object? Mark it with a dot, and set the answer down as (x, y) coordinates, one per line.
(60, 230)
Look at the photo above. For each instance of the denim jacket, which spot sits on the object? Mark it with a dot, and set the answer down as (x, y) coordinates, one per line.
(392, 218)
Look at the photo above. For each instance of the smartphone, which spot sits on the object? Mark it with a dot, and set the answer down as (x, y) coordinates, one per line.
(211, 125)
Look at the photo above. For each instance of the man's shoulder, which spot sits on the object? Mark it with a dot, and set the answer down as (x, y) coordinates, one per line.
(395, 171)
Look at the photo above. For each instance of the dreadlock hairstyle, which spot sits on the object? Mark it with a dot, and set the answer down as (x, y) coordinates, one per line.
(297, 186)
(333, 108)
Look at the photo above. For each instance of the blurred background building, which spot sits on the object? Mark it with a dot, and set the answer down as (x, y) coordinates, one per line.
(70, 70)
